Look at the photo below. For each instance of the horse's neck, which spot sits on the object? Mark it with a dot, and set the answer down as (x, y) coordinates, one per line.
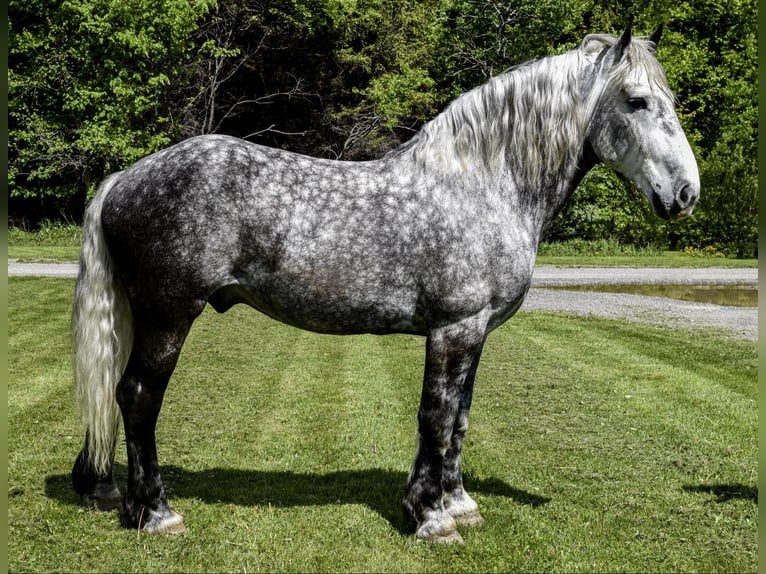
(546, 154)
(527, 143)
(540, 204)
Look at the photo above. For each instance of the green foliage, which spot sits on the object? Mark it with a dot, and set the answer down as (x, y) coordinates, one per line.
(484, 37)
(96, 84)
(402, 94)
(386, 58)
(49, 233)
(89, 83)
(607, 207)
(597, 247)
(709, 251)
(711, 63)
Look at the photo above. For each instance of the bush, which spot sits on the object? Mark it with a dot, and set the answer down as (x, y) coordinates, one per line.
(598, 247)
(49, 233)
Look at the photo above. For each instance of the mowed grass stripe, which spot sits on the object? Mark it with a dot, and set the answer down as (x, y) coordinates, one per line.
(638, 390)
(312, 398)
(226, 393)
(42, 425)
(716, 388)
(33, 302)
(311, 465)
(382, 383)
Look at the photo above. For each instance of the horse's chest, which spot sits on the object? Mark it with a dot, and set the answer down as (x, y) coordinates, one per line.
(510, 290)
(485, 270)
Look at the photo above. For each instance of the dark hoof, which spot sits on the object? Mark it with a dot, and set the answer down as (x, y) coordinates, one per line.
(98, 491)
(104, 497)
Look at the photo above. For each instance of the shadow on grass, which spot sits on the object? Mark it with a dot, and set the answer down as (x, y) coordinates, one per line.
(726, 492)
(379, 489)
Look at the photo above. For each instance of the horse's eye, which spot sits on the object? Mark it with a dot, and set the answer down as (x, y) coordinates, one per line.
(637, 103)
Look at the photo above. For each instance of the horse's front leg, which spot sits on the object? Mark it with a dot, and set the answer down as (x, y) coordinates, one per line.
(457, 502)
(450, 353)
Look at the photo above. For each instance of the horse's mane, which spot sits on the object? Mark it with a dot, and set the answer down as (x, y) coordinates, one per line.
(531, 119)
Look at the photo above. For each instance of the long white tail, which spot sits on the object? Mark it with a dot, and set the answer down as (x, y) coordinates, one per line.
(102, 337)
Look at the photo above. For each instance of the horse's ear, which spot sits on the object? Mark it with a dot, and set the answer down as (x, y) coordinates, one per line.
(654, 39)
(593, 46)
(617, 51)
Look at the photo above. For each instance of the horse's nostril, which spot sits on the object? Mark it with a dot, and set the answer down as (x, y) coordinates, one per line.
(686, 198)
(683, 196)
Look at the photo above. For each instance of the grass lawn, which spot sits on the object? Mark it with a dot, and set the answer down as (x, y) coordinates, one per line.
(54, 241)
(44, 253)
(595, 446)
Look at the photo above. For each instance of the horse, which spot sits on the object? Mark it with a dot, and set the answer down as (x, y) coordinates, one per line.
(437, 238)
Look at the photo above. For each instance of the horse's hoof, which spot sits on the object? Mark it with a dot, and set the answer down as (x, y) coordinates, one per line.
(105, 497)
(445, 537)
(172, 523)
(473, 518)
(440, 528)
(463, 508)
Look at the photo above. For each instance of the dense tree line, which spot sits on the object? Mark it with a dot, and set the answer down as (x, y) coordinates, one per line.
(96, 84)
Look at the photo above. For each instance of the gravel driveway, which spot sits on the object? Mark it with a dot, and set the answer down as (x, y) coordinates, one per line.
(739, 322)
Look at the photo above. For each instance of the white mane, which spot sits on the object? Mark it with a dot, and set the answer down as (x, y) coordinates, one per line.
(529, 121)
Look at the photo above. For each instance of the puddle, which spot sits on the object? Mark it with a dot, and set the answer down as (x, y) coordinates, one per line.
(734, 294)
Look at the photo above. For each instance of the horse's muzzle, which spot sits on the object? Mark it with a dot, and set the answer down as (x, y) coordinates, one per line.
(685, 200)
(683, 204)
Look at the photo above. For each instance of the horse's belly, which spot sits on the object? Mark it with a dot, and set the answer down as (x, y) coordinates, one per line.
(325, 308)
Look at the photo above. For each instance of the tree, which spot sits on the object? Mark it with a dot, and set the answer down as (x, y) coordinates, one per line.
(711, 59)
(485, 37)
(88, 86)
(385, 86)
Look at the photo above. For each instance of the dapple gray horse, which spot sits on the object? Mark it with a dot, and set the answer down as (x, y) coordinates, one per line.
(438, 238)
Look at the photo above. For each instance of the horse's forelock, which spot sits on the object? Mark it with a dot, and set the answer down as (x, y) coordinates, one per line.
(639, 65)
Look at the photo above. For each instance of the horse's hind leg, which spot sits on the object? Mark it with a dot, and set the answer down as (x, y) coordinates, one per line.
(457, 502)
(157, 345)
(451, 352)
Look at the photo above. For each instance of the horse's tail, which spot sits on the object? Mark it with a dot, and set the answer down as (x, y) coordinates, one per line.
(102, 337)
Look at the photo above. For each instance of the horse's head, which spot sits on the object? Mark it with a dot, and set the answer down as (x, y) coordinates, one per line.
(633, 127)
